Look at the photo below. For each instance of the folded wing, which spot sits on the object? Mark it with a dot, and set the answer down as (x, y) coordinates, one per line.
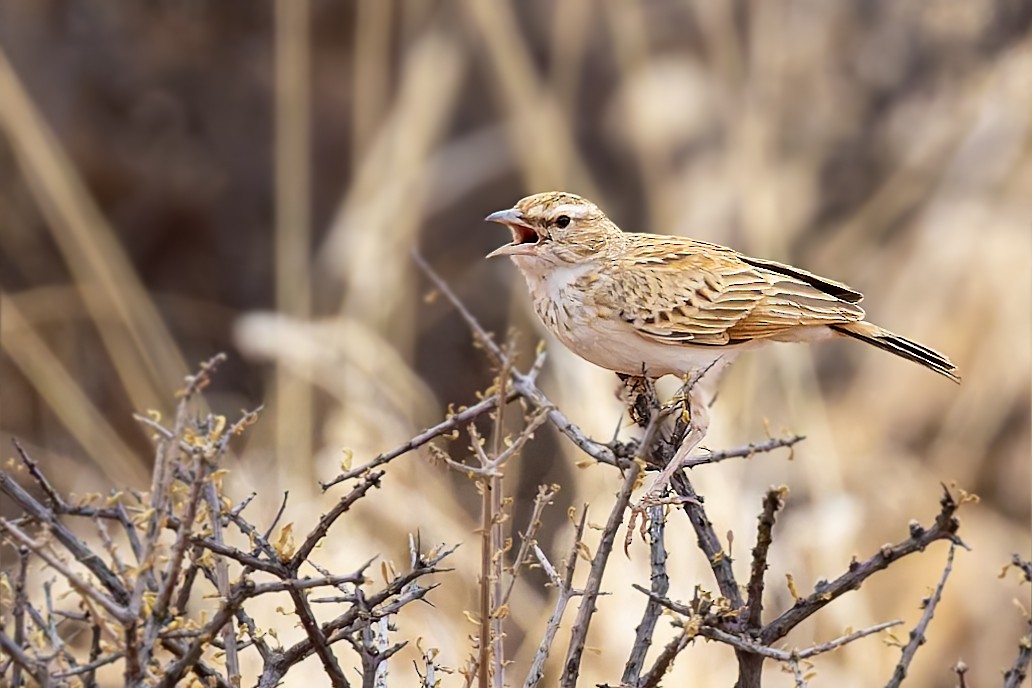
(683, 291)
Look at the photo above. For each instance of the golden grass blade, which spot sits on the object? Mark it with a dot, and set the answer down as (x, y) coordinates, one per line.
(628, 31)
(571, 31)
(148, 361)
(379, 219)
(346, 359)
(84, 421)
(541, 140)
(293, 395)
(371, 71)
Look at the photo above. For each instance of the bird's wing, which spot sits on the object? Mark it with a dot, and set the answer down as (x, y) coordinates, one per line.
(674, 290)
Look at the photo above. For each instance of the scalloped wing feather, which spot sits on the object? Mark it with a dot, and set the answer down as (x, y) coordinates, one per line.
(683, 291)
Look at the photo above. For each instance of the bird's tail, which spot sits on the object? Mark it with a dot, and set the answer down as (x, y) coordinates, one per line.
(901, 346)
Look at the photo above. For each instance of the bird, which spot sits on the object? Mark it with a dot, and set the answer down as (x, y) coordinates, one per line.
(649, 305)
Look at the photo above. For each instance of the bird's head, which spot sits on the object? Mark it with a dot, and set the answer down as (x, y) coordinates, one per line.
(554, 227)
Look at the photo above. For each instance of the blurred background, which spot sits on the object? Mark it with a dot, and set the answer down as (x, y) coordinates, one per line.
(180, 177)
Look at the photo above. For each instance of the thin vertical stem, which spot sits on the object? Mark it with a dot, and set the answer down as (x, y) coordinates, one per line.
(497, 539)
(370, 71)
(293, 216)
(483, 669)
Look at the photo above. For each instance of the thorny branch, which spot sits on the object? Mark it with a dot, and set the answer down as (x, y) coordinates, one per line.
(564, 586)
(944, 527)
(772, 502)
(730, 618)
(579, 634)
(917, 636)
(1016, 673)
(136, 611)
(705, 618)
(660, 586)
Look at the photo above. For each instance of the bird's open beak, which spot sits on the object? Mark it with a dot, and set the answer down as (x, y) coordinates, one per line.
(524, 237)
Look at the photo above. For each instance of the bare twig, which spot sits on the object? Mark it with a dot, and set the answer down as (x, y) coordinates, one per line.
(1018, 670)
(797, 673)
(192, 653)
(660, 586)
(81, 586)
(596, 450)
(254, 637)
(222, 584)
(663, 451)
(22, 660)
(368, 482)
(171, 576)
(111, 548)
(764, 536)
(707, 539)
(318, 640)
(579, 635)
(497, 538)
(1016, 673)
(486, 555)
(917, 636)
(78, 549)
(961, 669)
(664, 661)
(544, 497)
(56, 502)
(457, 420)
(169, 447)
(263, 540)
(566, 592)
(20, 604)
(50, 627)
(944, 528)
(400, 589)
(753, 647)
(1022, 565)
(274, 567)
(200, 668)
(747, 451)
(95, 664)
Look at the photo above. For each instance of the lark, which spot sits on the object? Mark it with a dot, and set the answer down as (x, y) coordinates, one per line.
(654, 305)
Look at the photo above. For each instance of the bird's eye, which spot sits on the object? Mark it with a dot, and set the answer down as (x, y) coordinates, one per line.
(562, 221)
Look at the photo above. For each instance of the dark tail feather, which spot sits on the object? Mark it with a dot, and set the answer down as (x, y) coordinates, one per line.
(901, 346)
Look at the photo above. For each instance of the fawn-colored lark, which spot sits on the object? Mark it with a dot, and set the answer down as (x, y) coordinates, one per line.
(653, 305)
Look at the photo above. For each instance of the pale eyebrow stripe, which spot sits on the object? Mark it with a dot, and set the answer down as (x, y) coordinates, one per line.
(572, 210)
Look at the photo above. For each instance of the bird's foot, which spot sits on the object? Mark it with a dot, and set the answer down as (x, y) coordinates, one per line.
(638, 394)
(648, 508)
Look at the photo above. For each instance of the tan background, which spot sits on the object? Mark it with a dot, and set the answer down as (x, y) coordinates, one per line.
(886, 144)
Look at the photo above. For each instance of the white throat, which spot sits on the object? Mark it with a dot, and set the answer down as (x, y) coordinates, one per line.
(548, 279)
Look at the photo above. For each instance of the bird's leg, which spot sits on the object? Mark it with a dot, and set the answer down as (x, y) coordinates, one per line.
(698, 424)
(692, 398)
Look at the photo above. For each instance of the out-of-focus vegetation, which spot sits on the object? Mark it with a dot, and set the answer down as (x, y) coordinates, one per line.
(158, 204)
